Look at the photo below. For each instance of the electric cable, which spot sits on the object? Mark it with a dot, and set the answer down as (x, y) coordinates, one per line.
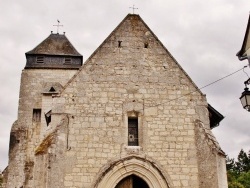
(200, 87)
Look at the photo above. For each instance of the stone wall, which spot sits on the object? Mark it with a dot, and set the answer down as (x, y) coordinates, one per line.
(211, 159)
(26, 133)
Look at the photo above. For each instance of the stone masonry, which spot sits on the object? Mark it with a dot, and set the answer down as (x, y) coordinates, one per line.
(130, 76)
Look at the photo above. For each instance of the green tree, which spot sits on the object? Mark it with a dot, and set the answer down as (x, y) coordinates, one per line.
(235, 185)
(238, 172)
(244, 179)
(243, 163)
(230, 164)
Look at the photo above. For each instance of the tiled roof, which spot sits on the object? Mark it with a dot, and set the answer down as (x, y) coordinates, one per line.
(55, 44)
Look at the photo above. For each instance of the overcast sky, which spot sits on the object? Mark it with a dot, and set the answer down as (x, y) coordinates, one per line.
(203, 36)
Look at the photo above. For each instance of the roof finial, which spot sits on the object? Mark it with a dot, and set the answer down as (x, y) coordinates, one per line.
(133, 9)
(58, 25)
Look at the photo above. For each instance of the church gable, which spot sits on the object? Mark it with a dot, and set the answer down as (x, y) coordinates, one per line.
(132, 79)
(133, 53)
(132, 71)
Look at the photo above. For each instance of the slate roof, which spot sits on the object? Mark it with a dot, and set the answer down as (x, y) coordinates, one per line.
(55, 44)
(246, 43)
(215, 117)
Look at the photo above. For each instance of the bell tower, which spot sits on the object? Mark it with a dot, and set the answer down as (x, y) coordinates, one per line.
(55, 52)
(48, 68)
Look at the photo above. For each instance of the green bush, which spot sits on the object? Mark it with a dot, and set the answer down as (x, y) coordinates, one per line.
(235, 185)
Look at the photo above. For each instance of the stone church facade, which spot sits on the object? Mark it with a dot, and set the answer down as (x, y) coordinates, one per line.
(129, 117)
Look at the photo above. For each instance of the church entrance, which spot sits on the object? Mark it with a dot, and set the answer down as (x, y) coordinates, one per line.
(132, 172)
(132, 182)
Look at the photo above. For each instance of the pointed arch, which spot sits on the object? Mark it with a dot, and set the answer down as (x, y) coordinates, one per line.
(144, 168)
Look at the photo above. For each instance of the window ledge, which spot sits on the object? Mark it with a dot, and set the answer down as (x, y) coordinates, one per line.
(133, 149)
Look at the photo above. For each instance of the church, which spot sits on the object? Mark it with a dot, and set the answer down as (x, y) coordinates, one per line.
(127, 117)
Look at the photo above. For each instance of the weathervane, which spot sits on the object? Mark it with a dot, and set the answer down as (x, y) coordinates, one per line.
(133, 8)
(58, 25)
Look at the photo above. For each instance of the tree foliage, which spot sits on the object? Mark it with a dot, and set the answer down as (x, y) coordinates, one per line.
(238, 172)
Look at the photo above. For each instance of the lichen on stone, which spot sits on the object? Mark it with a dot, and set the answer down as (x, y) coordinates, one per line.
(44, 145)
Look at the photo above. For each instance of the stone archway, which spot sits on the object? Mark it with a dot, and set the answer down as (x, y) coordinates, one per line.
(133, 166)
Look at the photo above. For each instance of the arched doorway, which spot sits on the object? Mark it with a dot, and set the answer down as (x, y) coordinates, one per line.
(145, 173)
(132, 181)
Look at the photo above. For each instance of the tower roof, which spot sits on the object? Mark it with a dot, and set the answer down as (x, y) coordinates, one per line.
(55, 44)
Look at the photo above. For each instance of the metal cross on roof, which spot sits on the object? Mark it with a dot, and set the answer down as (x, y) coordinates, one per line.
(58, 25)
(133, 8)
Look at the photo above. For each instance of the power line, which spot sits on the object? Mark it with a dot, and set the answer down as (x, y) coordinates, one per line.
(222, 78)
(201, 87)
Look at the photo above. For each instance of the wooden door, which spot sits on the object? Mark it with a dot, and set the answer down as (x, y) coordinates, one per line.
(132, 182)
(126, 183)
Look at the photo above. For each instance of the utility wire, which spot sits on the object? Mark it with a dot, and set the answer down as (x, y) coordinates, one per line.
(201, 87)
(245, 71)
(222, 78)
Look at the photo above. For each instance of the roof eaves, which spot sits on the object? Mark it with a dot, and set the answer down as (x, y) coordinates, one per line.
(32, 51)
(77, 53)
(242, 50)
(217, 117)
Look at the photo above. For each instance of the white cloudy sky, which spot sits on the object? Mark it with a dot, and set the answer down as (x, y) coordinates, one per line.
(203, 36)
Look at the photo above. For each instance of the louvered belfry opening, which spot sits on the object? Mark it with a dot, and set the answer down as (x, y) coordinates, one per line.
(40, 59)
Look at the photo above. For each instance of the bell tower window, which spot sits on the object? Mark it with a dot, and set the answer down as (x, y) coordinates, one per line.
(133, 131)
(67, 60)
(39, 59)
